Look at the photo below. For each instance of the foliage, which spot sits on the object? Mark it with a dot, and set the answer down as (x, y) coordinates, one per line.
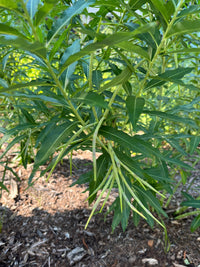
(121, 79)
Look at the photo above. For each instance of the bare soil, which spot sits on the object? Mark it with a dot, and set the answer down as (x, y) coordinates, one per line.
(41, 225)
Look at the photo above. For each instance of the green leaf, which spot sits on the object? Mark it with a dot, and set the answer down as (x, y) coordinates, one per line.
(97, 78)
(111, 40)
(195, 223)
(134, 107)
(16, 140)
(102, 166)
(160, 5)
(11, 4)
(175, 144)
(32, 7)
(3, 187)
(44, 10)
(119, 79)
(21, 43)
(75, 47)
(136, 144)
(171, 117)
(184, 27)
(130, 47)
(67, 15)
(52, 140)
(25, 85)
(151, 199)
(191, 203)
(168, 76)
(194, 142)
(6, 29)
(92, 99)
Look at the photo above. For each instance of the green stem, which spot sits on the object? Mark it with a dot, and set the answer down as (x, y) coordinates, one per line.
(159, 49)
(58, 83)
(97, 130)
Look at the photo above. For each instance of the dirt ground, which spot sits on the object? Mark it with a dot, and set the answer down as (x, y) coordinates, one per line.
(44, 226)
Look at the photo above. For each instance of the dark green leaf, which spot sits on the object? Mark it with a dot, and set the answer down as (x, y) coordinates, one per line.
(191, 203)
(134, 107)
(44, 10)
(92, 99)
(195, 223)
(21, 43)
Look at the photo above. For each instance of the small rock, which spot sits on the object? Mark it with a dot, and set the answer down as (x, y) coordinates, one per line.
(132, 259)
(198, 238)
(76, 255)
(150, 261)
(142, 251)
(67, 235)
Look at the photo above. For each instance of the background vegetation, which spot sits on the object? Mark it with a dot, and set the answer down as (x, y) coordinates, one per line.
(117, 77)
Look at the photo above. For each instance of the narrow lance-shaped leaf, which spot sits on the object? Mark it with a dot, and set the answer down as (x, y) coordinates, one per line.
(194, 142)
(130, 47)
(171, 117)
(191, 203)
(184, 27)
(134, 107)
(168, 75)
(195, 223)
(160, 5)
(21, 43)
(75, 47)
(65, 18)
(119, 79)
(44, 10)
(32, 7)
(25, 85)
(92, 99)
(6, 29)
(111, 40)
(51, 142)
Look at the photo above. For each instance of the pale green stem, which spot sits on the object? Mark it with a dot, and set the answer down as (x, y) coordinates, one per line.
(97, 201)
(64, 93)
(97, 130)
(159, 48)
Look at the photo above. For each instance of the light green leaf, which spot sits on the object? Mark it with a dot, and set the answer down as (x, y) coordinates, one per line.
(134, 107)
(67, 15)
(10, 4)
(32, 7)
(160, 5)
(184, 27)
